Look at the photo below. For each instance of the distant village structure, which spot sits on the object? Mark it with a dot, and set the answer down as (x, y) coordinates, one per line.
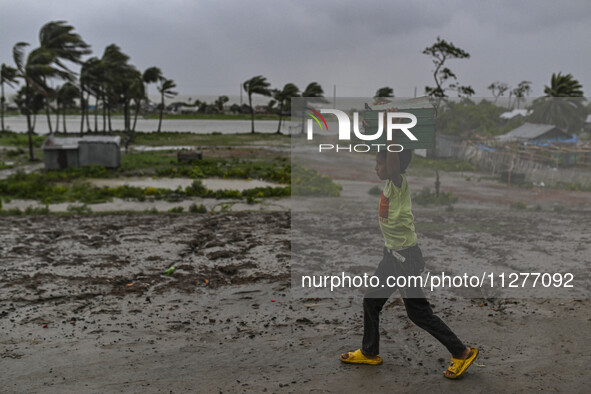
(536, 132)
(60, 153)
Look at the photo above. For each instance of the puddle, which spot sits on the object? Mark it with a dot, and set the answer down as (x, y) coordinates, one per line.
(174, 183)
(266, 205)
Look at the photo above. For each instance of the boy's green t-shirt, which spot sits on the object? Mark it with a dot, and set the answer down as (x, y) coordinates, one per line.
(396, 219)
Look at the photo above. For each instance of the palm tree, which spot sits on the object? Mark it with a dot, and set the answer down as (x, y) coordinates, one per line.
(34, 70)
(386, 91)
(65, 45)
(7, 76)
(563, 105)
(36, 103)
(563, 86)
(91, 76)
(283, 97)
(59, 39)
(314, 93)
(66, 98)
(256, 85)
(58, 45)
(165, 89)
(115, 76)
(523, 89)
(151, 75)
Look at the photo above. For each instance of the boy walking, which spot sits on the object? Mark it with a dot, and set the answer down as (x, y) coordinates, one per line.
(402, 257)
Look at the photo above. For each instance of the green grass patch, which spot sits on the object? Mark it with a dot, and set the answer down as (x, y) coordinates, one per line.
(217, 139)
(21, 140)
(308, 182)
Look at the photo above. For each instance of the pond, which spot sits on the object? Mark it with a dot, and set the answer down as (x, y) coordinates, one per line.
(199, 126)
(174, 183)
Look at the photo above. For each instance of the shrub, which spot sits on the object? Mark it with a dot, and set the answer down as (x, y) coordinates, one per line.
(194, 208)
(308, 182)
(427, 197)
(37, 210)
(176, 210)
(14, 211)
(196, 189)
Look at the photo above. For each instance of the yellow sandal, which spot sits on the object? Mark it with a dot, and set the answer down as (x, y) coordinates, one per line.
(457, 366)
(357, 357)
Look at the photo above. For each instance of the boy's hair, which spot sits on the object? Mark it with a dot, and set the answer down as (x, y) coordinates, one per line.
(404, 157)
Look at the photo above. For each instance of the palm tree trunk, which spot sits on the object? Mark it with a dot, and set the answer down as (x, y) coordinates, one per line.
(88, 129)
(125, 115)
(280, 113)
(2, 100)
(64, 120)
(57, 117)
(96, 102)
(81, 112)
(48, 115)
(104, 114)
(29, 127)
(109, 116)
(251, 113)
(161, 111)
(137, 111)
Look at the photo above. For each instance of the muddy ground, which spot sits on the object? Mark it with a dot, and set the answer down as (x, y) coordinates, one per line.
(85, 306)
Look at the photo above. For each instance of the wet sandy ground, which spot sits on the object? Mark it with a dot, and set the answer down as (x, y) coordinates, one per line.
(85, 306)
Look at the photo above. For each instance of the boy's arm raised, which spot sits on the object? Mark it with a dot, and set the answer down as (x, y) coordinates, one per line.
(392, 159)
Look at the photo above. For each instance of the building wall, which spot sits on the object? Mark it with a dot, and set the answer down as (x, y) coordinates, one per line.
(56, 159)
(104, 154)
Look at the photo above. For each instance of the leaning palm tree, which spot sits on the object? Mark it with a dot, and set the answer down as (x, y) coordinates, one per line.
(283, 98)
(314, 93)
(151, 75)
(115, 75)
(59, 39)
(7, 76)
(66, 99)
(563, 105)
(563, 86)
(166, 91)
(256, 85)
(384, 92)
(91, 75)
(33, 70)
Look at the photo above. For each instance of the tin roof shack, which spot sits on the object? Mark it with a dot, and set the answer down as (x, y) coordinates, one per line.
(534, 132)
(61, 153)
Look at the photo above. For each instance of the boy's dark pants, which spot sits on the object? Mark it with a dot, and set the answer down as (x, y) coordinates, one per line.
(417, 307)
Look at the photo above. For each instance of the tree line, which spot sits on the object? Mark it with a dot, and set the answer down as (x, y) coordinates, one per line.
(110, 80)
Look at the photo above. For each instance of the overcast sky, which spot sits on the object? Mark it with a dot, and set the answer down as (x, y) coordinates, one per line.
(211, 47)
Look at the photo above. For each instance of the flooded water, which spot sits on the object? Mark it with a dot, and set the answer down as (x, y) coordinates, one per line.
(118, 205)
(200, 126)
(173, 183)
